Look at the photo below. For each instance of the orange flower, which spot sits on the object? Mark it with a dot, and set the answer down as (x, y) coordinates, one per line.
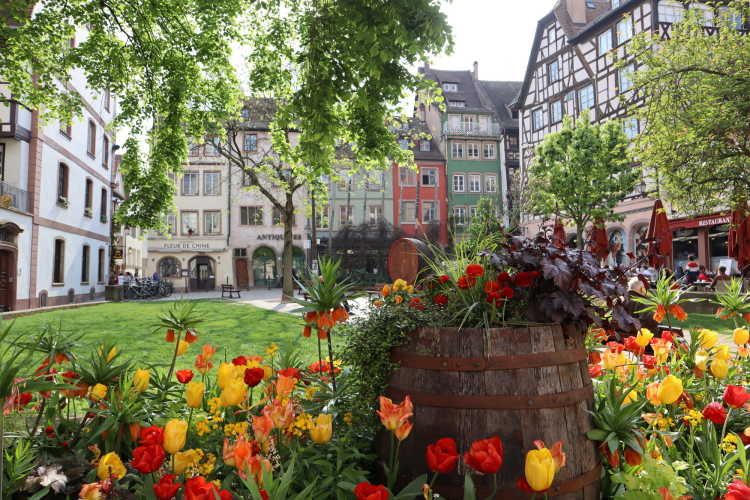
(678, 312)
(393, 416)
(262, 427)
(557, 453)
(255, 465)
(307, 331)
(285, 385)
(61, 358)
(170, 336)
(281, 414)
(340, 315)
(208, 351)
(236, 455)
(325, 321)
(660, 313)
(310, 316)
(191, 336)
(403, 431)
(322, 333)
(746, 317)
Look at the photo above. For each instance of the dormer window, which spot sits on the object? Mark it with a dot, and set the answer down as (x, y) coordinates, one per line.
(424, 145)
(450, 87)
(457, 104)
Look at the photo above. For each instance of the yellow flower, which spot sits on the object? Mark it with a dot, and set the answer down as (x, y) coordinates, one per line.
(708, 338)
(631, 397)
(410, 289)
(141, 380)
(348, 418)
(310, 392)
(611, 360)
(267, 372)
(398, 299)
(670, 390)
(539, 469)
(194, 393)
(272, 349)
(225, 374)
(400, 285)
(202, 428)
(110, 466)
(185, 459)
(110, 355)
(234, 393)
(98, 392)
(644, 337)
(722, 352)
(741, 336)
(182, 347)
(701, 358)
(378, 303)
(322, 428)
(719, 368)
(174, 435)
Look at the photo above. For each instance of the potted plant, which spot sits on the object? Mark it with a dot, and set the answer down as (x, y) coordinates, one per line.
(62, 201)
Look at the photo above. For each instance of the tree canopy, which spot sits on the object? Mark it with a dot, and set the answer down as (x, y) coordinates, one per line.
(581, 173)
(337, 69)
(696, 116)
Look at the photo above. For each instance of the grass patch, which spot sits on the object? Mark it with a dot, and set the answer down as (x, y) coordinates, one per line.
(709, 321)
(234, 329)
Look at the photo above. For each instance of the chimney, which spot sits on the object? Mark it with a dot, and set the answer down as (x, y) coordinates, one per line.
(476, 70)
(577, 11)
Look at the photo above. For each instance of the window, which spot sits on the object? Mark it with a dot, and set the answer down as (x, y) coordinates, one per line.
(58, 262)
(251, 216)
(457, 104)
(245, 114)
(105, 151)
(171, 223)
(457, 150)
(195, 150)
(107, 99)
(250, 142)
(374, 215)
(212, 222)
(103, 206)
(66, 129)
(190, 184)
(189, 222)
(62, 184)
(408, 212)
(734, 18)
(88, 198)
(459, 216)
(458, 183)
(615, 4)
(212, 183)
(489, 151)
(429, 212)
(403, 143)
(473, 212)
(624, 30)
(424, 145)
(605, 42)
(537, 119)
(429, 177)
(553, 72)
(472, 150)
(345, 215)
(277, 218)
(212, 148)
(671, 11)
(555, 112)
(321, 218)
(240, 252)
(468, 122)
(490, 183)
(569, 103)
(586, 97)
(450, 87)
(375, 184)
(705, 12)
(475, 183)
(100, 266)
(91, 141)
(85, 264)
(630, 127)
(626, 78)
(407, 176)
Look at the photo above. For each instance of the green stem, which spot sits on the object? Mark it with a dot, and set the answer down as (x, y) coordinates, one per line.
(171, 366)
(330, 361)
(190, 418)
(724, 427)
(494, 487)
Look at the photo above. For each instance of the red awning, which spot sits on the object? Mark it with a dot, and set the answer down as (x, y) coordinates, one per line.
(706, 221)
(659, 237)
(739, 237)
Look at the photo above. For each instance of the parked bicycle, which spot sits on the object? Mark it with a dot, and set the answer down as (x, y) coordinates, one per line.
(146, 288)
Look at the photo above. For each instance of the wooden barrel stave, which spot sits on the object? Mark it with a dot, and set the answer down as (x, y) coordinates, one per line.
(517, 427)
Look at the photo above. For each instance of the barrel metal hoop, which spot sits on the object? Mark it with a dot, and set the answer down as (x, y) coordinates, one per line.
(495, 402)
(515, 362)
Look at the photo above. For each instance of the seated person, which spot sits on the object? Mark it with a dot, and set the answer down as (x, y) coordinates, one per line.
(721, 281)
(702, 275)
(692, 271)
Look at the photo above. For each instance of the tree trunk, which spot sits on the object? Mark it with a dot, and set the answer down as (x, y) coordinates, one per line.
(579, 236)
(286, 258)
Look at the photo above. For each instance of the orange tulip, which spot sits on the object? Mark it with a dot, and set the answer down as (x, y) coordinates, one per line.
(255, 465)
(393, 416)
(190, 336)
(285, 385)
(262, 427)
(281, 414)
(403, 431)
(322, 333)
(135, 431)
(203, 364)
(208, 351)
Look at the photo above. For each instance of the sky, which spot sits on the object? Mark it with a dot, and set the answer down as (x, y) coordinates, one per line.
(496, 33)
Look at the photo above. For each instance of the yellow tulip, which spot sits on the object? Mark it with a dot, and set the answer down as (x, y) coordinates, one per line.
(182, 347)
(701, 359)
(399, 285)
(631, 397)
(719, 368)
(539, 469)
(234, 393)
(708, 338)
(322, 428)
(98, 392)
(110, 466)
(225, 374)
(141, 380)
(741, 336)
(194, 394)
(670, 390)
(110, 355)
(185, 459)
(722, 352)
(611, 359)
(644, 337)
(410, 289)
(175, 433)
(652, 391)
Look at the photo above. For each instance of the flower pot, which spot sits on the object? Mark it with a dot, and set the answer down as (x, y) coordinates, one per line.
(521, 384)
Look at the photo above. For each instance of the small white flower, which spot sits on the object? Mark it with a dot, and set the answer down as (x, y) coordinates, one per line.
(52, 477)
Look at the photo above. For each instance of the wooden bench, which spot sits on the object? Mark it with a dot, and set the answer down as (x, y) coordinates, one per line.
(229, 289)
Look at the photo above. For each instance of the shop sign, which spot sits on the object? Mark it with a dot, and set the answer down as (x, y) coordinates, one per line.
(201, 246)
(708, 221)
(714, 221)
(277, 237)
(117, 252)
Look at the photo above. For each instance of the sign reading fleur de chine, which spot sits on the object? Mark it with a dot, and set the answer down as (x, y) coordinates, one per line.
(187, 246)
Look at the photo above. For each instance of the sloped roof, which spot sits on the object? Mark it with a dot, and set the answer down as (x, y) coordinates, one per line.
(501, 94)
(468, 90)
(572, 29)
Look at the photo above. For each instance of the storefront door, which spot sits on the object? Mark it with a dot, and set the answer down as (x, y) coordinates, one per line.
(241, 274)
(7, 279)
(202, 273)
(264, 267)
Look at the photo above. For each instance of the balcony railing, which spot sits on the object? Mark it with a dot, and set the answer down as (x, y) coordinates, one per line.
(13, 197)
(15, 120)
(475, 130)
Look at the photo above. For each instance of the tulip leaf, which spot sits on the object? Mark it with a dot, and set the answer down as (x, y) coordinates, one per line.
(469, 492)
(412, 489)
(40, 494)
(597, 435)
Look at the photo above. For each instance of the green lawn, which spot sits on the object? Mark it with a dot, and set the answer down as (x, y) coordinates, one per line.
(234, 329)
(709, 321)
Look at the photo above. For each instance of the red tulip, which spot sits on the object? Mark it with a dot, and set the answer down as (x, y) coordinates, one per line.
(737, 490)
(416, 303)
(166, 488)
(184, 376)
(253, 376)
(613, 459)
(524, 279)
(198, 488)
(440, 299)
(485, 455)
(290, 372)
(444, 279)
(239, 361)
(152, 435)
(595, 371)
(442, 455)
(367, 491)
(632, 457)
(474, 270)
(148, 458)
(715, 412)
(736, 396)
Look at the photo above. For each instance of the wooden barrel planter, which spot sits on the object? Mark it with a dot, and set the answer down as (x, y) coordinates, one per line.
(521, 384)
(406, 258)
